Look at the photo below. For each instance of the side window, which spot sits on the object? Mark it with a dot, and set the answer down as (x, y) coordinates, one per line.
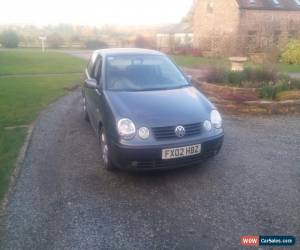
(90, 67)
(97, 69)
(91, 64)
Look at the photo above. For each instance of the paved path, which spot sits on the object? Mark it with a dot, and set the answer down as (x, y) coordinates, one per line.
(64, 199)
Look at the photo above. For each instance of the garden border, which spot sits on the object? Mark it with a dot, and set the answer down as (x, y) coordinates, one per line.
(243, 105)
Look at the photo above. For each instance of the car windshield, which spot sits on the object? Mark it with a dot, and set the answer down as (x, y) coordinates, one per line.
(142, 73)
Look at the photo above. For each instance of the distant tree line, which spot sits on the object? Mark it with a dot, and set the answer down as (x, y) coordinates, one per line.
(9, 39)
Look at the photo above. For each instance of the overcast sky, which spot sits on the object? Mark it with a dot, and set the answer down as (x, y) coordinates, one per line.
(93, 12)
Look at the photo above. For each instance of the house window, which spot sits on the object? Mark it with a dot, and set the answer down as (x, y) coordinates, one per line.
(276, 37)
(252, 35)
(210, 6)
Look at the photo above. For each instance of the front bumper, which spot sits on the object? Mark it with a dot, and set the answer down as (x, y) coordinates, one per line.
(150, 157)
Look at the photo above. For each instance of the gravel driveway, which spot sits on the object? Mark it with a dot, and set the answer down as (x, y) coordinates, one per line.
(64, 199)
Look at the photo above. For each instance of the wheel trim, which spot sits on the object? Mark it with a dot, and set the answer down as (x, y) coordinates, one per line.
(84, 104)
(104, 149)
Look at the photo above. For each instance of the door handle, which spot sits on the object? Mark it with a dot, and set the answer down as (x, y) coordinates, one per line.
(98, 92)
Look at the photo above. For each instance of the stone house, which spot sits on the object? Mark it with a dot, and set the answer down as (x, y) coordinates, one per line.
(240, 27)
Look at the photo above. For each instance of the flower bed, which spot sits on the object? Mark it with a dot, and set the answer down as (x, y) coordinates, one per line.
(234, 100)
(268, 82)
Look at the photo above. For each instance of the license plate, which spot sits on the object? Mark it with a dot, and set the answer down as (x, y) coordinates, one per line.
(173, 153)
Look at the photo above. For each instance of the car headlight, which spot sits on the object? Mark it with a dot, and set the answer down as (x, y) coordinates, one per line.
(126, 128)
(144, 133)
(216, 119)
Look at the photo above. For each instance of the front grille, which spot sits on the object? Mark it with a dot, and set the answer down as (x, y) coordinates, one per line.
(163, 133)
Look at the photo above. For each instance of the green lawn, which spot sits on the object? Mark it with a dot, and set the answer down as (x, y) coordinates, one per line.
(203, 62)
(289, 68)
(10, 143)
(22, 98)
(34, 62)
(197, 62)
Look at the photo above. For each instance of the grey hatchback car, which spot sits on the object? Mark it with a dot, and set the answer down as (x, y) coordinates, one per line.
(146, 113)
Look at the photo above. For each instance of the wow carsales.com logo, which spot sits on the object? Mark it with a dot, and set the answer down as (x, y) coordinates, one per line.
(256, 241)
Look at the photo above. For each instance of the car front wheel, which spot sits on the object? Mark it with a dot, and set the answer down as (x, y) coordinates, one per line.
(108, 165)
(85, 113)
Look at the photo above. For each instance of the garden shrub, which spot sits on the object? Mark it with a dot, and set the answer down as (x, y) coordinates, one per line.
(294, 84)
(270, 91)
(291, 53)
(216, 75)
(251, 77)
(260, 74)
(267, 92)
(269, 82)
(235, 78)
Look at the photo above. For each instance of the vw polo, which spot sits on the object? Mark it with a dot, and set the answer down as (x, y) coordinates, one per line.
(146, 113)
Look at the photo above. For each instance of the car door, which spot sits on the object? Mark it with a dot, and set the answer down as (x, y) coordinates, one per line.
(95, 94)
(88, 90)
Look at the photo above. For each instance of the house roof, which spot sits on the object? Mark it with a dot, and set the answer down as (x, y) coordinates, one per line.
(176, 28)
(291, 5)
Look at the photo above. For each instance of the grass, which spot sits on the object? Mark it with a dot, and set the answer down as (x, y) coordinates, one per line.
(35, 62)
(203, 62)
(10, 143)
(22, 98)
(196, 62)
(289, 68)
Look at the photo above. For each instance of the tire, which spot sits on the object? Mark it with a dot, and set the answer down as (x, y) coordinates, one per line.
(107, 163)
(85, 113)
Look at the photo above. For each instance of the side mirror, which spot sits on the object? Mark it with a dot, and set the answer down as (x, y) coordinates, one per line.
(91, 83)
(189, 78)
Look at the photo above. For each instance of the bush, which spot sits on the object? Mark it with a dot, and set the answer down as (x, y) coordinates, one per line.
(291, 53)
(9, 39)
(269, 91)
(235, 78)
(294, 84)
(260, 74)
(250, 77)
(95, 44)
(268, 81)
(216, 75)
(55, 40)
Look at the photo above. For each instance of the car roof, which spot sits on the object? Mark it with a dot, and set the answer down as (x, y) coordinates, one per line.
(124, 51)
